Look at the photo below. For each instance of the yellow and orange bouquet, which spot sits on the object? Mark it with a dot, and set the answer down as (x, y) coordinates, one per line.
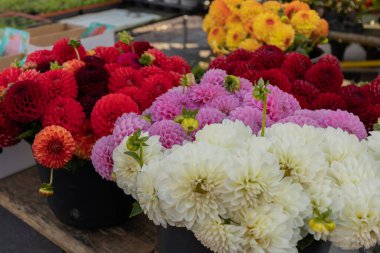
(248, 24)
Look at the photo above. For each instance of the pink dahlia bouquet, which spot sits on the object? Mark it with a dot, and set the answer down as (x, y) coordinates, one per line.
(315, 85)
(65, 99)
(245, 168)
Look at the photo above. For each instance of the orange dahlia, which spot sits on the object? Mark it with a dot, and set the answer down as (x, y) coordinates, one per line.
(84, 141)
(295, 6)
(216, 36)
(53, 147)
(323, 29)
(73, 65)
(219, 12)
(305, 22)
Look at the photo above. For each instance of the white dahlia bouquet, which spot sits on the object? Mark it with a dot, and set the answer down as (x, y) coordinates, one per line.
(242, 189)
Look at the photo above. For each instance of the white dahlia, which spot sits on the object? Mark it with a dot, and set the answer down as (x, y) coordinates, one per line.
(229, 134)
(188, 185)
(268, 229)
(358, 224)
(126, 168)
(219, 236)
(301, 159)
(374, 144)
(251, 180)
(354, 170)
(147, 193)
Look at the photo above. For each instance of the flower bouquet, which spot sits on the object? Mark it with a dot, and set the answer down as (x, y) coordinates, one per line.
(245, 168)
(249, 25)
(315, 86)
(63, 100)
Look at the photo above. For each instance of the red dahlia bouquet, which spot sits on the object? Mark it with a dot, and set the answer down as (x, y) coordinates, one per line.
(63, 100)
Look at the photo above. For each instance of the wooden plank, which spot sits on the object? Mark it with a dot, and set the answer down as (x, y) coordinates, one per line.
(355, 38)
(18, 194)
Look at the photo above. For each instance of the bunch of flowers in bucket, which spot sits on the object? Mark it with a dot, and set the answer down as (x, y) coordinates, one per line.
(249, 25)
(66, 98)
(245, 168)
(315, 85)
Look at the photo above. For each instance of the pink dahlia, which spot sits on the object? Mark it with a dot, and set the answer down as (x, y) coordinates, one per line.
(250, 116)
(214, 76)
(225, 103)
(127, 124)
(202, 94)
(170, 133)
(101, 156)
(207, 116)
(300, 120)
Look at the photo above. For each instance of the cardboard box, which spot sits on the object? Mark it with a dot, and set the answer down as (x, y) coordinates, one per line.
(16, 158)
(6, 61)
(44, 37)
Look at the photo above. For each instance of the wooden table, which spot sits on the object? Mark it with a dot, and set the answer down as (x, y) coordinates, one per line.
(18, 194)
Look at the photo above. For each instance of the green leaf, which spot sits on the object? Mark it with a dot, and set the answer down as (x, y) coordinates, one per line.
(144, 139)
(133, 155)
(136, 209)
(26, 134)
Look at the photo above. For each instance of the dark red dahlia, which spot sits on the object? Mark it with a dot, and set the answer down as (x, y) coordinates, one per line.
(304, 89)
(90, 77)
(62, 51)
(218, 63)
(329, 58)
(269, 56)
(41, 59)
(9, 130)
(371, 117)
(330, 101)
(156, 85)
(177, 64)
(357, 99)
(374, 90)
(9, 75)
(129, 59)
(240, 55)
(139, 47)
(325, 76)
(251, 75)
(296, 65)
(304, 103)
(242, 67)
(59, 83)
(109, 54)
(108, 109)
(64, 112)
(25, 101)
(123, 77)
(138, 95)
(275, 77)
(92, 59)
(88, 100)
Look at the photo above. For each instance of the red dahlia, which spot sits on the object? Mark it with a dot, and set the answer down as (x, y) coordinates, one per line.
(60, 83)
(150, 71)
(123, 77)
(129, 59)
(138, 95)
(304, 89)
(62, 51)
(275, 77)
(41, 58)
(374, 90)
(330, 101)
(9, 130)
(329, 58)
(110, 67)
(25, 101)
(109, 54)
(269, 56)
(371, 117)
(122, 47)
(218, 63)
(30, 74)
(242, 67)
(296, 65)
(177, 64)
(64, 112)
(156, 85)
(357, 99)
(304, 103)
(154, 57)
(325, 76)
(139, 47)
(89, 99)
(9, 75)
(108, 109)
(240, 55)
(91, 77)
(250, 75)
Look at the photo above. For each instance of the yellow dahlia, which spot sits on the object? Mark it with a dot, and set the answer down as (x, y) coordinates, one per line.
(282, 36)
(217, 36)
(273, 6)
(208, 23)
(305, 22)
(248, 27)
(250, 44)
(294, 7)
(233, 20)
(234, 5)
(53, 147)
(234, 36)
(219, 12)
(264, 23)
(249, 9)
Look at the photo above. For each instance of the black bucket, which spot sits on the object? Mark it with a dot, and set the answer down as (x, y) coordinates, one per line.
(82, 199)
(175, 240)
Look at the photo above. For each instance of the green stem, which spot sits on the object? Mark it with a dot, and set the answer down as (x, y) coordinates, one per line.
(77, 53)
(141, 156)
(264, 119)
(51, 177)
